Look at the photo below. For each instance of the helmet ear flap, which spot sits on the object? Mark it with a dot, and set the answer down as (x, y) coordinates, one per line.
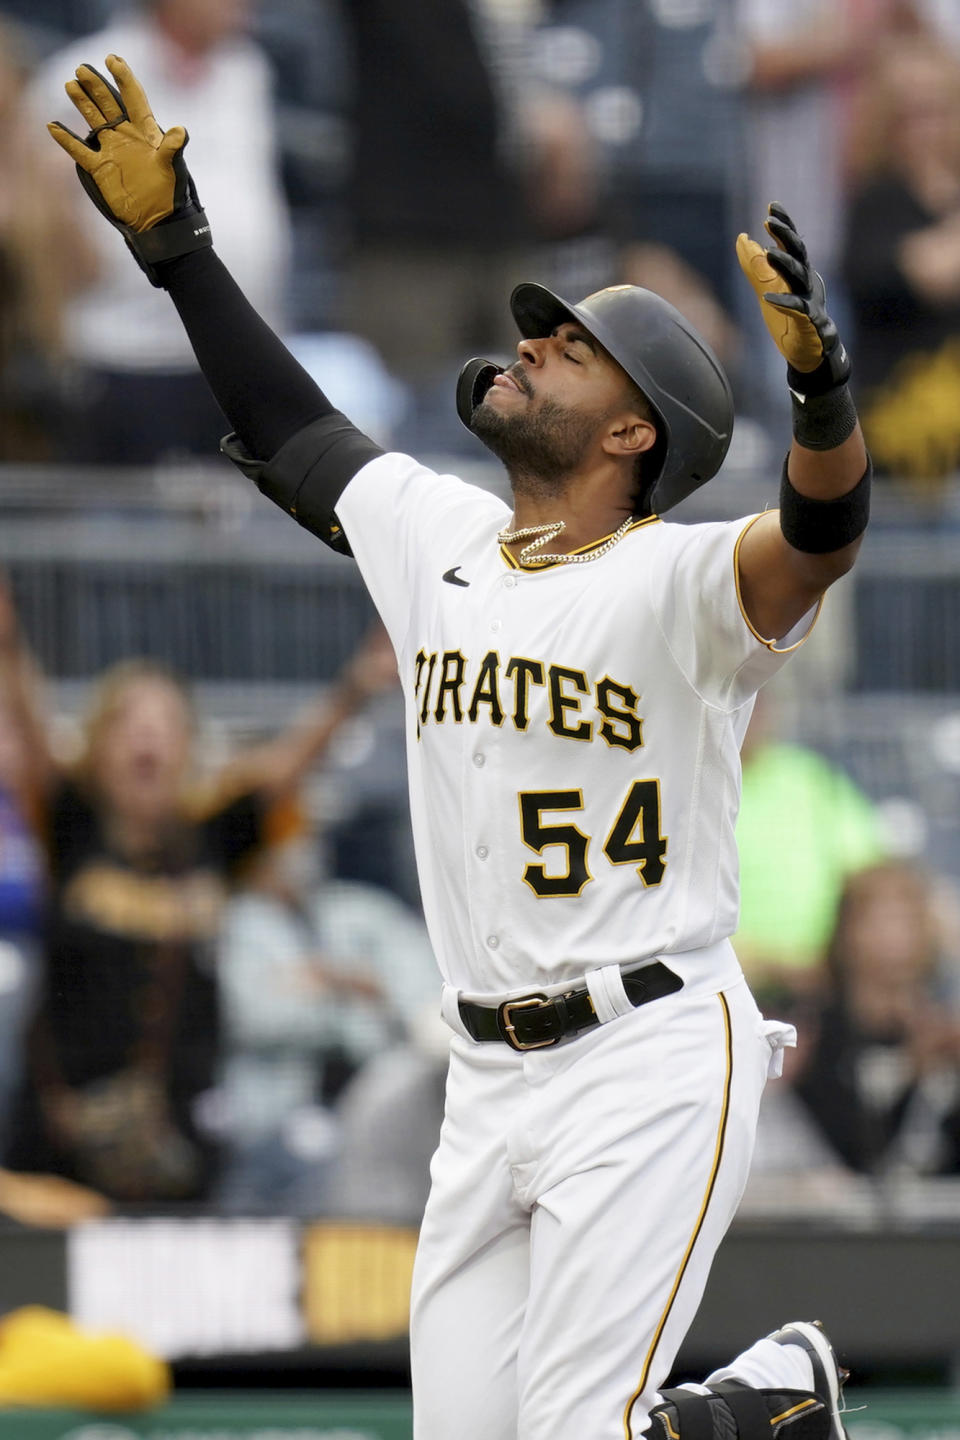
(474, 381)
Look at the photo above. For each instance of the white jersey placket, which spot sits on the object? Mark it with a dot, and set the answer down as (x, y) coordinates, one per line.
(486, 805)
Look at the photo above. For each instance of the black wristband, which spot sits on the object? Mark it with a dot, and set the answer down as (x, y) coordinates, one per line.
(184, 230)
(822, 422)
(179, 235)
(819, 526)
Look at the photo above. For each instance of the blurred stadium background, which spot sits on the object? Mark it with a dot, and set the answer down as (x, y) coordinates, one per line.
(176, 557)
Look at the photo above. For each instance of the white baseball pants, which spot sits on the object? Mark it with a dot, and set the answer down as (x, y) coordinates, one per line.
(579, 1195)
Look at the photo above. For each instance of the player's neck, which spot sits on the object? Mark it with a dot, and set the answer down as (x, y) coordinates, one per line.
(584, 521)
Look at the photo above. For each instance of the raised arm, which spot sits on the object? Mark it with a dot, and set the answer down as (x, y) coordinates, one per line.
(278, 766)
(789, 557)
(287, 436)
(29, 761)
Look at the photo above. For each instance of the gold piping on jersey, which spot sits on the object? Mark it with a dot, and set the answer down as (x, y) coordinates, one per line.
(771, 645)
(794, 1410)
(544, 564)
(708, 1194)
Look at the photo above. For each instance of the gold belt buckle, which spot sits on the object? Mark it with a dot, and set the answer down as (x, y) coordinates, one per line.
(527, 1002)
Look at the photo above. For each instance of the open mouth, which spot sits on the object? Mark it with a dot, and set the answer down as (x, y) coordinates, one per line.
(145, 766)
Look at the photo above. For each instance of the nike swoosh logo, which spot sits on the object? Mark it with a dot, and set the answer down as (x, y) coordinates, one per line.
(452, 578)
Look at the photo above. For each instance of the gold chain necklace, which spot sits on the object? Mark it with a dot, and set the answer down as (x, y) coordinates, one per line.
(548, 532)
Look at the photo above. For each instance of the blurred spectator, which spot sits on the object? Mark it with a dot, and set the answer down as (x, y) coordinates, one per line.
(305, 42)
(902, 260)
(125, 1040)
(138, 395)
(674, 69)
(458, 163)
(43, 264)
(49, 1201)
(795, 55)
(22, 865)
(44, 25)
(942, 17)
(798, 61)
(656, 84)
(803, 827)
(319, 977)
(390, 1116)
(794, 1164)
(882, 1079)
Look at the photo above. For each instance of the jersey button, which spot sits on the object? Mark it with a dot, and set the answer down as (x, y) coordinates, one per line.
(479, 760)
(493, 941)
(482, 852)
(496, 625)
(510, 581)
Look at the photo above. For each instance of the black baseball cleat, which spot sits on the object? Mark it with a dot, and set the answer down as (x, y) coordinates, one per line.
(829, 1375)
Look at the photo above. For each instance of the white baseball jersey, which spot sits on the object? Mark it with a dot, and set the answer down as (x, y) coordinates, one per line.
(573, 741)
(573, 733)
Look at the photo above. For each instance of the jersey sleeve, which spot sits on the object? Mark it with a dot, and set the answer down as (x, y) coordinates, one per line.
(399, 516)
(695, 593)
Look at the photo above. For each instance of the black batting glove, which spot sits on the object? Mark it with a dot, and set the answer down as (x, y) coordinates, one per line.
(793, 304)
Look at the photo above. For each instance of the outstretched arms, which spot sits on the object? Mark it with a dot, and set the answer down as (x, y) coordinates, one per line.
(788, 558)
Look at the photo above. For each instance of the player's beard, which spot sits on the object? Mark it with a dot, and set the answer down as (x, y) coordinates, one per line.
(541, 446)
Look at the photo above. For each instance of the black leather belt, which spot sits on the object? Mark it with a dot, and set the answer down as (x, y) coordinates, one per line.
(531, 1022)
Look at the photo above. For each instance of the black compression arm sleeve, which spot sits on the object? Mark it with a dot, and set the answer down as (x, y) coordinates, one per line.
(287, 437)
(266, 395)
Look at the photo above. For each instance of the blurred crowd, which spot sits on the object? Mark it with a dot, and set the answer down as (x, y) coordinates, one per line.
(197, 1005)
(188, 995)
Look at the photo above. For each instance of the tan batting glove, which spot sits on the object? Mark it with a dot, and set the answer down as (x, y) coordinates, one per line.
(792, 301)
(126, 154)
(133, 171)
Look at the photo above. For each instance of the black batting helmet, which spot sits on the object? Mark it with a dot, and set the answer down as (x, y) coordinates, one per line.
(662, 354)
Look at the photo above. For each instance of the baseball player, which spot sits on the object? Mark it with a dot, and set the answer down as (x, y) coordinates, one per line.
(578, 676)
